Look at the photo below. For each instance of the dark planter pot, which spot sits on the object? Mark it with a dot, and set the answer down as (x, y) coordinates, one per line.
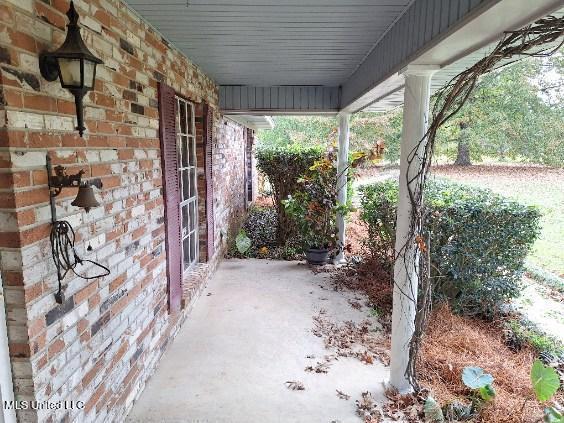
(317, 256)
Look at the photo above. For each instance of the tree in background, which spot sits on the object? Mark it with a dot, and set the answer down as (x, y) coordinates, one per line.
(515, 113)
(368, 131)
(300, 131)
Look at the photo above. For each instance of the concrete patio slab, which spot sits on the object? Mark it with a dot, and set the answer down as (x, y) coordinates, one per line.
(249, 333)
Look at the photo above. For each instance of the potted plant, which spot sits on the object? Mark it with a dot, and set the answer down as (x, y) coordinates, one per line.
(313, 208)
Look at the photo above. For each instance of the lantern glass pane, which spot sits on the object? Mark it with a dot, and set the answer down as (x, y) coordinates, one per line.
(70, 72)
(89, 73)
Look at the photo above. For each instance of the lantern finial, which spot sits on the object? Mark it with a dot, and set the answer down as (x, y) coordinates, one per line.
(72, 15)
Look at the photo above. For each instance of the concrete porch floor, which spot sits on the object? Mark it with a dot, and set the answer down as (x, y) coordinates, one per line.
(239, 345)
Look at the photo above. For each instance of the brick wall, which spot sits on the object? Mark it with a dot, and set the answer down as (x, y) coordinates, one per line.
(101, 345)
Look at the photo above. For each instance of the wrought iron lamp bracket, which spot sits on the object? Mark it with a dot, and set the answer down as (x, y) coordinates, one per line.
(58, 179)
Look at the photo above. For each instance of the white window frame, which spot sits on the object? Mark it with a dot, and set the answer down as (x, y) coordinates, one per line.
(186, 142)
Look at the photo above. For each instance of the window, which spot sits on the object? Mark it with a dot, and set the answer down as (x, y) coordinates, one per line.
(187, 175)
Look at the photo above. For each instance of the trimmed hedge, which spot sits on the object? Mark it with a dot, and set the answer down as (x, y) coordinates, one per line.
(479, 240)
(283, 166)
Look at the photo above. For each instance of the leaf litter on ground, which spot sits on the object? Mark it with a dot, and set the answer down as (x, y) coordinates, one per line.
(295, 385)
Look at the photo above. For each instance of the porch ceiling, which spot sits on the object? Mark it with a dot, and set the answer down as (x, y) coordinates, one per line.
(326, 56)
(272, 43)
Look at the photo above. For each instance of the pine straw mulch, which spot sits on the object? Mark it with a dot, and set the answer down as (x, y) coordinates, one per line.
(451, 343)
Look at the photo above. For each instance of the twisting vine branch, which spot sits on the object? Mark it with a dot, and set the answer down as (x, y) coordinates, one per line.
(541, 39)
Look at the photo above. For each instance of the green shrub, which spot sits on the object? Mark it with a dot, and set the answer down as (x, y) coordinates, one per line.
(283, 166)
(524, 332)
(260, 228)
(479, 240)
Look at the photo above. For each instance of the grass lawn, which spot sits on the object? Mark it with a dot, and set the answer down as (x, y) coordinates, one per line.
(531, 185)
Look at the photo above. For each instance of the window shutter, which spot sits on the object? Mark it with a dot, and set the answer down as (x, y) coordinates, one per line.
(169, 159)
(208, 134)
(249, 166)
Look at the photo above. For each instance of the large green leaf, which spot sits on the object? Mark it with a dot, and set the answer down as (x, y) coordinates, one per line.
(433, 412)
(476, 378)
(545, 381)
(487, 392)
(552, 415)
(242, 242)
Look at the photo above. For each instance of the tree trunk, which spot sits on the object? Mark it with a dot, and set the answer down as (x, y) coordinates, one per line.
(463, 153)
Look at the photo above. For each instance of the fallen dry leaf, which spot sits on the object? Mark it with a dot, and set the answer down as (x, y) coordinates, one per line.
(319, 368)
(342, 395)
(295, 385)
(367, 409)
(366, 357)
(355, 304)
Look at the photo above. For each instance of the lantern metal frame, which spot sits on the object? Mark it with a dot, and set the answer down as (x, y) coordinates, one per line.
(72, 48)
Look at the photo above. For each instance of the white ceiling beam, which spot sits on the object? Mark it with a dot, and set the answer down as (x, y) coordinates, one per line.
(479, 28)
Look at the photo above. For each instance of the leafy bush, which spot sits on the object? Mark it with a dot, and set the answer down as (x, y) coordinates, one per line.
(522, 331)
(479, 240)
(257, 237)
(283, 166)
(260, 226)
(313, 207)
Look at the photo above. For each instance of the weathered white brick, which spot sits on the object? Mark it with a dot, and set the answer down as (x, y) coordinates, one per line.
(94, 113)
(64, 123)
(89, 22)
(25, 120)
(35, 26)
(28, 158)
(8, 222)
(29, 62)
(92, 156)
(138, 210)
(23, 4)
(108, 155)
(133, 39)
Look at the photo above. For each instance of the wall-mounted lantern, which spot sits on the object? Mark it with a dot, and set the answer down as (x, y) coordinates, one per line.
(73, 64)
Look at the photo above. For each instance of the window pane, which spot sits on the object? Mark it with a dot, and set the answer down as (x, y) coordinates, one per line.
(193, 181)
(182, 111)
(193, 238)
(192, 151)
(189, 118)
(185, 222)
(186, 252)
(184, 150)
(89, 73)
(192, 215)
(185, 185)
(70, 71)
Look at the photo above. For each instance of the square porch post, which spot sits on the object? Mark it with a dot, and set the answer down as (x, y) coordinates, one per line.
(406, 279)
(342, 181)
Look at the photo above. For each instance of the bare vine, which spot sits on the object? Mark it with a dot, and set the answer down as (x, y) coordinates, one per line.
(540, 39)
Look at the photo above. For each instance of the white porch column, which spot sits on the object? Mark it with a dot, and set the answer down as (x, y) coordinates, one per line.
(342, 171)
(415, 116)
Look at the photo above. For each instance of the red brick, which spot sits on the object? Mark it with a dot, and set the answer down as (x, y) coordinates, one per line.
(94, 398)
(50, 15)
(13, 98)
(85, 292)
(56, 347)
(22, 40)
(39, 102)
